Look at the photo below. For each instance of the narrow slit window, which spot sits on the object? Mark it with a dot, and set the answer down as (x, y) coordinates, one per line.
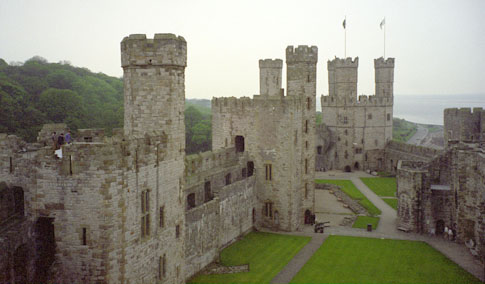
(269, 171)
(11, 165)
(84, 237)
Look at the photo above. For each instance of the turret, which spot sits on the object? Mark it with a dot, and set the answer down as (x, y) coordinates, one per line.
(301, 70)
(154, 78)
(384, 73)
(342, 77)
(270, 76)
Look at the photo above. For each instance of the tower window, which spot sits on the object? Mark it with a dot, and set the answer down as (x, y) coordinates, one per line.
(177, 231)
(162, 216)
(306, 166)
(345, 120)
(84, 237)
(268, 209)
(369, 116)
(207, 191)
(228, 179)
(145, 213)
(306, 126)
(388, 116)
(269, 171)
(308, 103)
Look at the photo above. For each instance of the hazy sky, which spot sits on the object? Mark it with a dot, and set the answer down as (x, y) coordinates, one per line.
(439, 46)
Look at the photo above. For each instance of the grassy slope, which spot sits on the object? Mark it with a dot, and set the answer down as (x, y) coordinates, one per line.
(349, 188)
(402, 130)
(384, 186)
(266, 254)
(344, 259)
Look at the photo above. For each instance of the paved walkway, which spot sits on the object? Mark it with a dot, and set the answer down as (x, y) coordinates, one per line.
(458, 253)
(297, 262)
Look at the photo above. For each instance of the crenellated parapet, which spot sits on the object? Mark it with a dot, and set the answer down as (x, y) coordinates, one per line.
(247, 105)
(362, 101)
(163, 49)
(343, 63)
(384, 63)
(270, 63)
(464, 124)
(302, 53)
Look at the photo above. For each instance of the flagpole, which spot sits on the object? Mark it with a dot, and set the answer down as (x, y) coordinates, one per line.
(345, 36)
(384, 38)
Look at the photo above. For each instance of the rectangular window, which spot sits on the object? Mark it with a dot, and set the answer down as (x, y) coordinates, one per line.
(306, 126)
(162, 216)
(269, 171)
(145, 215)
(164, 266)
(369, 116)
(306, 190)
(306, 166)
(388, 116)
(177, 231)
(306, 145)
(70, 165)
(268, 209)
(308, 103)
(84, 237)
(11, 165)
(345, 120)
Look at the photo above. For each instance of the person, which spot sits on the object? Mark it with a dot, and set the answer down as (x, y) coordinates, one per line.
(445, 235)
(60, 139)
(68, 137)
(54, 140)
(450, 235)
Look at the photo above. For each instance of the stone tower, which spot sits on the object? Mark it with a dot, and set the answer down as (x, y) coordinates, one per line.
(360, 125)
(342, 77)
(154, 83)
(302, 82)
(270, 77)
(384, 76)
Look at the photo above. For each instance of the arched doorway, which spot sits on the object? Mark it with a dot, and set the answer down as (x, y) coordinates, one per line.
(347, 169)
(440, 227)
(356, 165)
(20, 264)
(308, 216)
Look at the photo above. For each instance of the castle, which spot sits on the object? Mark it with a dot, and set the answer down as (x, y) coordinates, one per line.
(134, 208)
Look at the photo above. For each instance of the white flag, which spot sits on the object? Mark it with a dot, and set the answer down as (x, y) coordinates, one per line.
(383, 22)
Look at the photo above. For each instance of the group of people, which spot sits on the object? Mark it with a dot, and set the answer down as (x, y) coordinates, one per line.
(59, 140)
(449, 234)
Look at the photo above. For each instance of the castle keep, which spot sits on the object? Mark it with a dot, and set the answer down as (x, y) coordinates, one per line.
(356, 129)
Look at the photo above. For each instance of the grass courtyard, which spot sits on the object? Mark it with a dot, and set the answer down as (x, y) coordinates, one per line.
(349, 188)
(362, 222)
(343, 259)
(266, 254)
(384, 187)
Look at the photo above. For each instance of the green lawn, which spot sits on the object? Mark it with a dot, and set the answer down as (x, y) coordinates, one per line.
(391, 201)
(344, 259)
(349, 188)
(362, 221)
(382, 186)
(266, 254)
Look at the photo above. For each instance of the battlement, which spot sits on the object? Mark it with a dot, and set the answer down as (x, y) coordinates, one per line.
(163, 49)
(210, 160)
(246, 105)
(270, 63)
(360, 102)
(302, 53)
(384, 63)
(343, 63)
(463, 110)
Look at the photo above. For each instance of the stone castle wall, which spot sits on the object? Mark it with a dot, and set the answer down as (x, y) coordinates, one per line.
(464, 124)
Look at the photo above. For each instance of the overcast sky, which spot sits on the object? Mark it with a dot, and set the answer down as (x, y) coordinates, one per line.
(439, 46)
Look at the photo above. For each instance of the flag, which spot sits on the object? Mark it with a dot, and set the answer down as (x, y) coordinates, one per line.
(344, 23)
(383, 22)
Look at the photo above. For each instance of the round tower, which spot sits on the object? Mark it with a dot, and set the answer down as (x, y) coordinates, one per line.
(384, 73)
(154, 85)
(270, 76)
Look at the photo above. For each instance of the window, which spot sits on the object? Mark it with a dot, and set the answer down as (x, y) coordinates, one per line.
(269, 171)
(346, 132)
(11, 165)
(145, 213)
(306, 126)
(239, 144)
(207, 191)
(162, 216)
(319, 150)
(358, 150)
(177, 231)
(308, 103)
(70, 165)
(250, 165)
(306, 166)
(88, 139)
(84, 237)
(228, 179)
(306, 190)
(190, 201)
(306, 145)
(162, 267)
(369, 116)
(268, 209)
(388, 116)
(345, 120)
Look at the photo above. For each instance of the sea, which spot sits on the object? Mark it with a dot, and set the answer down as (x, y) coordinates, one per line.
(428, 109)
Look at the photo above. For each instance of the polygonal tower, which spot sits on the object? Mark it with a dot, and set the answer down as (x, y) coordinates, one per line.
(302, 82)
(270, 76)
(384, 76)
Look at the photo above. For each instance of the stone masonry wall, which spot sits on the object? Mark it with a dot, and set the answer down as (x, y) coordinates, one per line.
(464, 124)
